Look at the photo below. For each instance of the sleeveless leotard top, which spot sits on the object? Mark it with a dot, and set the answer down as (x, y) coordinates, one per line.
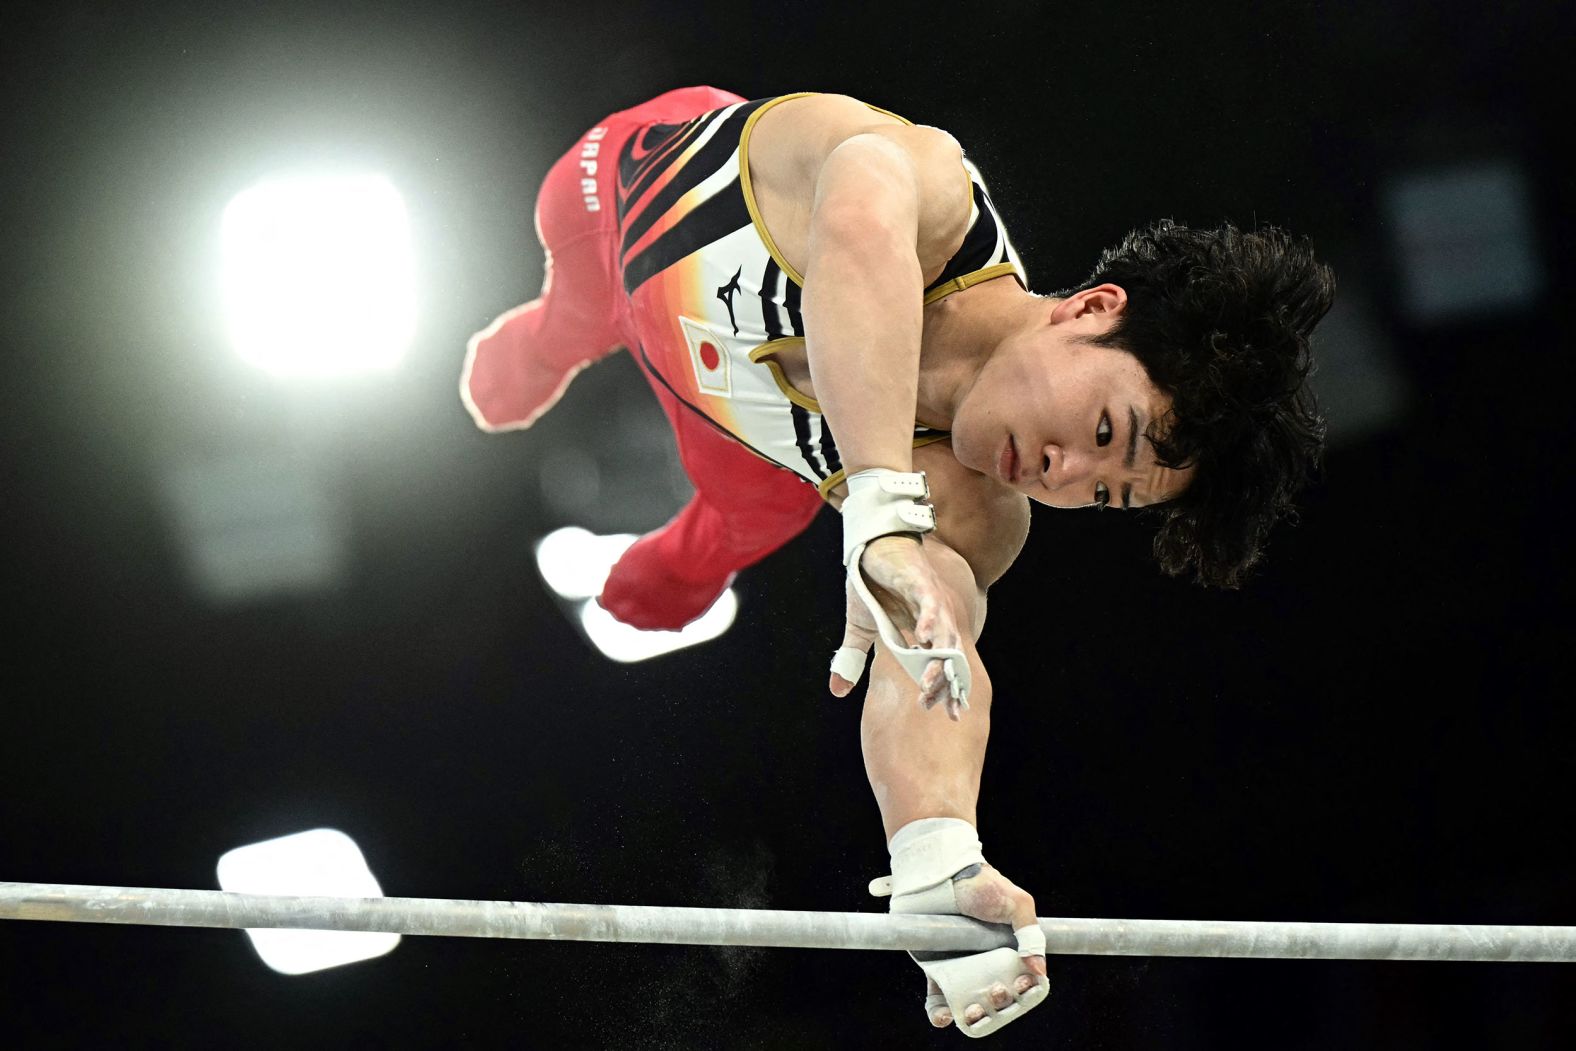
(713, 297)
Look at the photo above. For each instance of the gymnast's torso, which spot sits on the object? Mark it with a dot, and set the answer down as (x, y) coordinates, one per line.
(715, 296)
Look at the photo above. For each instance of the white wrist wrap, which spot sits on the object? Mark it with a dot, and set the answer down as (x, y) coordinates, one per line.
(929, 852)
(882, 502)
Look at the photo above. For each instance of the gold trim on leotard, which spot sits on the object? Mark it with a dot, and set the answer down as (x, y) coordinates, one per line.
(804, 401)
(839, 476)
(958, 284)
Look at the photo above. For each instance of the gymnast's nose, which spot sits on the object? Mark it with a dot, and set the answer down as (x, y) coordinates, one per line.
(1061, 467)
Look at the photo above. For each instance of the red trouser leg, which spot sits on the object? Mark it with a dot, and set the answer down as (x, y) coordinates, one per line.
(743, 509)
(518, 366)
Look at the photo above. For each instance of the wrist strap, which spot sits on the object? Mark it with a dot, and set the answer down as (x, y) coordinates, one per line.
(930, 851)
(882, 502)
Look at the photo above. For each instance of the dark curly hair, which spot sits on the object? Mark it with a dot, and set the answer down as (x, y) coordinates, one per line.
(1221, 320)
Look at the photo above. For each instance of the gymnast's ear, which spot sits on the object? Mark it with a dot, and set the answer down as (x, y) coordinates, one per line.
(1105, 301)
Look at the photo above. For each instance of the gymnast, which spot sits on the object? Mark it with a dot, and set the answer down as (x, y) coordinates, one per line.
(789, 269)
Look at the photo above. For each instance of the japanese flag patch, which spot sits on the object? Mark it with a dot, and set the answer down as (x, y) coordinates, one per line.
(708, 357)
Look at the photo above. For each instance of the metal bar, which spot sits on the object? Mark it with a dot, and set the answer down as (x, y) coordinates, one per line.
(804, 930)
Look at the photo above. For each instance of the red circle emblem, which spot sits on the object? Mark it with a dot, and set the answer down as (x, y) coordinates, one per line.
(709, 357)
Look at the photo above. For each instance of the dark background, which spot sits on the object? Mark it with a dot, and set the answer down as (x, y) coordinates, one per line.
(1377, 728)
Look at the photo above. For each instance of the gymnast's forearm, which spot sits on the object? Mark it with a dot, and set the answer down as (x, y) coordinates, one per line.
(920, 763)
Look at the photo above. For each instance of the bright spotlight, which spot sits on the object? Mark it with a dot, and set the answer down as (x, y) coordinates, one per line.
(319, 276)
(575, 562)
(323, 861)
(625, 644)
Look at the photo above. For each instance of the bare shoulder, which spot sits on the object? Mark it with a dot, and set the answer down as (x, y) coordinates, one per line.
(796, 144)
(794, 138)
(978, 517)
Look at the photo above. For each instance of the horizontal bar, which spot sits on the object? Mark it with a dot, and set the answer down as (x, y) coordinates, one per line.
(762, 927)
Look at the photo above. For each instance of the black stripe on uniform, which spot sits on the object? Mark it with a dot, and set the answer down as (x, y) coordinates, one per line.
(715, 218)
(1001, 229)
(712, 156)
(791, 303)
(801, 438)
(653, 142)
(978, 248)
(649, 137)
(634, 174)
(650, 168)
(834, 462)
(769, 313)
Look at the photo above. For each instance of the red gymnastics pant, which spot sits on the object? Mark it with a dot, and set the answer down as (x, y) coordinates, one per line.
(744, 508)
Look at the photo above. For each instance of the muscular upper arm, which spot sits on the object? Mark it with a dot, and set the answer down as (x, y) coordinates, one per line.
(904, 180)
(845, 167)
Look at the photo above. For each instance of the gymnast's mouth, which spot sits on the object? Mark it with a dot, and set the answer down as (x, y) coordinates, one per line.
(1007, 462)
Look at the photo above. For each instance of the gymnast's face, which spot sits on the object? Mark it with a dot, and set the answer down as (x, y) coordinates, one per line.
(1063, 421)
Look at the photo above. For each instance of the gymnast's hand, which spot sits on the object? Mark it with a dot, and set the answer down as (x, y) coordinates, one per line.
(985, 894)
(913, 595)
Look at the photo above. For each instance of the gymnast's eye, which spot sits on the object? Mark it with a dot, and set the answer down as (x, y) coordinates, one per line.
(1102, 496)
(1102, 433)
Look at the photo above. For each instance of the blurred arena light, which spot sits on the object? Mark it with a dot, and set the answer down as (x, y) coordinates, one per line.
(1464, 240)
(255, 523)
(323, 861)
(625, 644)
(319, 275)
(1358, 379)
(575, 562)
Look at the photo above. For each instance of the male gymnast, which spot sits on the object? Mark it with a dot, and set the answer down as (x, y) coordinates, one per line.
(793, 268)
